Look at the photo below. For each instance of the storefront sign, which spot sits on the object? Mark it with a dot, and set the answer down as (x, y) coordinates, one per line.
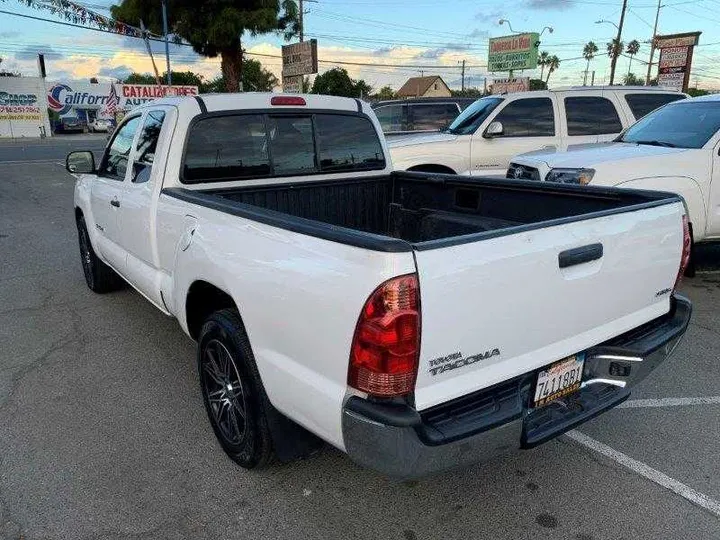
(506, 86)
(298, 59)
(519, 51)
(676, 52)
(23, 109)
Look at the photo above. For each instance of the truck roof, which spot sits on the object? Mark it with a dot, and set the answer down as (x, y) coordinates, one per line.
(255, 100)
(596, 89)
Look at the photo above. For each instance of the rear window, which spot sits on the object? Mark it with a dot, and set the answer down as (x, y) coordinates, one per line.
(642, 104)
(247, 146)
(432, 116)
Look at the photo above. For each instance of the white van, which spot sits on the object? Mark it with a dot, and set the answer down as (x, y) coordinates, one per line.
(486, 135)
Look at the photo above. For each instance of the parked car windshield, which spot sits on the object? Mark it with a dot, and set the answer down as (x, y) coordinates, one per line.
(470, 119)
(684, 124)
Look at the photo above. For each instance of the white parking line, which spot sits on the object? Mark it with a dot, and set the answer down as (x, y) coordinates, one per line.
(29, 161)
(668, 402)
(648, 472)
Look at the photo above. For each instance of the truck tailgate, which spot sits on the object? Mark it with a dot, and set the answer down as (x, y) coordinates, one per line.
(502, 306)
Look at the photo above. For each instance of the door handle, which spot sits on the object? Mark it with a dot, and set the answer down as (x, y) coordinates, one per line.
(571, 257)
(115, 203)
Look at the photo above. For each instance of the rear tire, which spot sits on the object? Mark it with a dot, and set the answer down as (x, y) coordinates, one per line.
(233, 393)
(100, 278)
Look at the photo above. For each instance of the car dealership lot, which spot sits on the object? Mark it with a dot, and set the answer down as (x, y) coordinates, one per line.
(103, 433)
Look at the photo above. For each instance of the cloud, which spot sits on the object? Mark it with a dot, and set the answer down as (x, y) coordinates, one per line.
(550, 4)
(489, 16)
(118, 72)
(31, 52)
(384, 50)
(9, 34)
(477, 33)
(437, 53)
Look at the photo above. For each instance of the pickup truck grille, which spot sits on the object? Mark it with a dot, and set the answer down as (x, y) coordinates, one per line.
(522, 172)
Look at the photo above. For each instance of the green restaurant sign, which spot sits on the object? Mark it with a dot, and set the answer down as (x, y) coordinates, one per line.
(519, 51)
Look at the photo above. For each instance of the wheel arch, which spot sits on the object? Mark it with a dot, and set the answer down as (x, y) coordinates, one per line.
(202, 299)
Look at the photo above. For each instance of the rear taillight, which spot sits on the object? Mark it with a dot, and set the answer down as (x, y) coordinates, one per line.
(685, 259)
(386, 345)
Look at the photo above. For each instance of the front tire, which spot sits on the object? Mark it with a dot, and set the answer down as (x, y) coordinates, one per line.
(232, 390)
(100, 278)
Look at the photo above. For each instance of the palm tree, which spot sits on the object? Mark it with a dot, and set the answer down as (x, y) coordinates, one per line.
(589, 52)
(553, 64)
(615, 48)
(632, 49)
(543, 61)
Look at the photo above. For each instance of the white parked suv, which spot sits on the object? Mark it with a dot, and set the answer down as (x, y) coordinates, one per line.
(415, 321)
(673, 149)
(484, 137)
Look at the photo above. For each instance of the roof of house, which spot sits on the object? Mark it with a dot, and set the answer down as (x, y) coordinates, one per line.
(418, 85)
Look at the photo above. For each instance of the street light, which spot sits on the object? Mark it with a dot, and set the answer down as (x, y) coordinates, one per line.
(601, 21)
(505, 21)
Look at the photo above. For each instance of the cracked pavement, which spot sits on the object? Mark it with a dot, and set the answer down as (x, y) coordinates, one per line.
(103, 434)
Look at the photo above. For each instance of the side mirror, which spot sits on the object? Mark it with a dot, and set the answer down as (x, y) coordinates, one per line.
(80, 162)
(495, 129)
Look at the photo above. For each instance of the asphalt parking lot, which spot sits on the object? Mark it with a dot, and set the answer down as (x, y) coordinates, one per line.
(103, 434)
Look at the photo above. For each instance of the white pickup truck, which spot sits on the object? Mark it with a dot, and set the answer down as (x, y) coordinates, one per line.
(417, 322)
(675, 148)
(483, 138)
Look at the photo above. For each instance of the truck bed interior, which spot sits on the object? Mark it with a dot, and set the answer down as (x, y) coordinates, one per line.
(417, 207)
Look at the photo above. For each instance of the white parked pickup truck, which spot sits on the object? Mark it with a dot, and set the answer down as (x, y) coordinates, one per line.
(417, 322)
(676, 148)
(483, 138)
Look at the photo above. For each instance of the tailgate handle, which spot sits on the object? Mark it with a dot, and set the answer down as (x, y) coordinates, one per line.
(571, 257)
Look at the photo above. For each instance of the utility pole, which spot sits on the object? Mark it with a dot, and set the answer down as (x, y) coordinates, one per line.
(613, 63)
(652, 45)
(300, 6)
(462, 84)
(592, 81)
(167, 44)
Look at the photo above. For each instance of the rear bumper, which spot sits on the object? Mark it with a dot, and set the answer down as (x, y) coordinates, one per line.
(399, 441)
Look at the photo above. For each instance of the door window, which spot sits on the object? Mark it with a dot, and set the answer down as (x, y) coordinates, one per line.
(642, 104)
(591, 115)
(529, 117)
(432, 116)
(391, 117)
(115, 163)
(146, 146)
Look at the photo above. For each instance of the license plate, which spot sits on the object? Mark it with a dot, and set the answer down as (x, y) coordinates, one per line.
(560, 379)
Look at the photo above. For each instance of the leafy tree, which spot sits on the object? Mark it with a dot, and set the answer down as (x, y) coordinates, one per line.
(589, 52)
(553, 64)
(543, 58)
(632, 49)
(337, 82)
(140, 78)
(632, 80)
(538, 84)
(468, 92)
(94, 80)
(695, 92)
(255, 79)
(385, 93)
(215, 27)
(4, 73)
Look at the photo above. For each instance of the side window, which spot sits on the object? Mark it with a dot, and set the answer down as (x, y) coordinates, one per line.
(115, 163)
(226, 147)
(146, 145)
(528, 117)
(432, 116)
(591, 115)
(347, 143)
(391, 117)
(642, 104)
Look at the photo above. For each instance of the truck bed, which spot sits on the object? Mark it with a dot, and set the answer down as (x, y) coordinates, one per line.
(422, 210)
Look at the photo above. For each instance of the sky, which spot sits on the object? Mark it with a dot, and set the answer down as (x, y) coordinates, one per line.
(408, 38)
